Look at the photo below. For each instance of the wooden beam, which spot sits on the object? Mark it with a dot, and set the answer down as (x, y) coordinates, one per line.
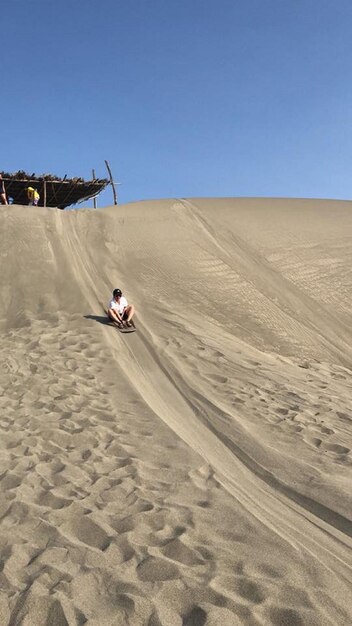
(94, 199)
(111, 182)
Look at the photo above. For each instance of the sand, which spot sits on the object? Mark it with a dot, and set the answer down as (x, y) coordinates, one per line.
(198, 471)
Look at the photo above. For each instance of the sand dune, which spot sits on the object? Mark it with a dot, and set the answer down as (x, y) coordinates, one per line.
(196, 472)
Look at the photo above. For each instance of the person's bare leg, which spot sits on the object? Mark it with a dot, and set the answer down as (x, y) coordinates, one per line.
(130, 313)
(115, 319)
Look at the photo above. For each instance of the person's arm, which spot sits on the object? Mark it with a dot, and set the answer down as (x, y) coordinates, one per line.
(125, 305)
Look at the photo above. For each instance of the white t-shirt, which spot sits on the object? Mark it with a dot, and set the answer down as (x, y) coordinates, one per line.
(118, 306)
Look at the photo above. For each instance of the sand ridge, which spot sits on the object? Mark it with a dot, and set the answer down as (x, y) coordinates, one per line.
(195, 472)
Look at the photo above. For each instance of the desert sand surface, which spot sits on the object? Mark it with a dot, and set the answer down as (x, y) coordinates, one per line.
(198, 471)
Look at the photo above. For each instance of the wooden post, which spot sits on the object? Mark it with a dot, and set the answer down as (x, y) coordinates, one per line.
(44, 192)
(95, 198)
(111, 182)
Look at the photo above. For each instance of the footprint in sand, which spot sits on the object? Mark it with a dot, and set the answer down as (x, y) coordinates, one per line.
(344, 416)
(88, 532)
(153, 569)
(219, 379)
(176, 550)
(250, 590)
(269, 571)
(10, 481)
(313, 441)
(125, 525)
(48, 499)
(280, 617)
(326, 431)
(338, 376)
(295, 428)
(336, 448)
(237, 401)
(196, 617)
(281, 411)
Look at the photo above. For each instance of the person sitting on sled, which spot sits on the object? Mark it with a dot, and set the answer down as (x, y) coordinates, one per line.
(119, 310)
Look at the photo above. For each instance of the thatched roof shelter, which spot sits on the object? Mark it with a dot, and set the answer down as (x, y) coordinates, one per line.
(54, 191)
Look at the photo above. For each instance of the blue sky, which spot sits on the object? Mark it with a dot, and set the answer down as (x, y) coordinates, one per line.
(184, 98)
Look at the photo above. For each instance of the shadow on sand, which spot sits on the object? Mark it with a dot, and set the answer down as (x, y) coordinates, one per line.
(102, 319)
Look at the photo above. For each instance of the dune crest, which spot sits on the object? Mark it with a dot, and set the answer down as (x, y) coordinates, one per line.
(195, 472)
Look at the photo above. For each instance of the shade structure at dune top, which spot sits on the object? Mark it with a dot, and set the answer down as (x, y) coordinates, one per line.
(195, 472)
(53, 191)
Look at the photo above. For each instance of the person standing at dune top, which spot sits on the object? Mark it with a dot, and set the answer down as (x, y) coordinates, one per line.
(119, 311)
(3, 198)
(33, 196)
